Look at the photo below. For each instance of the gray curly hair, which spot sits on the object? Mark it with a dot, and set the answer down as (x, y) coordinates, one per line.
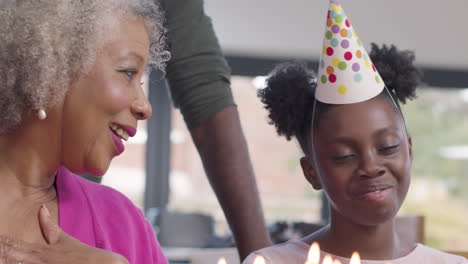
(44, 44)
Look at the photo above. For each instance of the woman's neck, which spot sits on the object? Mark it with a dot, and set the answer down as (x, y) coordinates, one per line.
(29, 159)
(342, 237)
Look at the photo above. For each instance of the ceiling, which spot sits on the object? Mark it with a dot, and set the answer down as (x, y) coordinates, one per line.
(436, 30)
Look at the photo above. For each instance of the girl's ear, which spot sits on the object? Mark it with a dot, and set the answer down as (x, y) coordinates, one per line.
(410, 147)
(309, 173)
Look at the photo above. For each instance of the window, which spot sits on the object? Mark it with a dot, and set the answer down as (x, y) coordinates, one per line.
(438, 123)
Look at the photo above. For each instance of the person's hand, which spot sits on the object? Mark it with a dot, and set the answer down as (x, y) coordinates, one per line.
(60, 248)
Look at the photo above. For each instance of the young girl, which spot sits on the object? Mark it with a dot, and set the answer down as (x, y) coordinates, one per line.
(356, 148)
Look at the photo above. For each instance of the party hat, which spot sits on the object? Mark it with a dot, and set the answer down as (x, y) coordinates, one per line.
(346, 74)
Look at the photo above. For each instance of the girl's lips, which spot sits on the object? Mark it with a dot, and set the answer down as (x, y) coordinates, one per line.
(119, 146)
(376, 195)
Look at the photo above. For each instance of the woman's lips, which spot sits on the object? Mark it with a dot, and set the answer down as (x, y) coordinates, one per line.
(119, 146)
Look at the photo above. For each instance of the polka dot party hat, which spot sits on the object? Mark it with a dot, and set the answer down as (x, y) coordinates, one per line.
(346, 74)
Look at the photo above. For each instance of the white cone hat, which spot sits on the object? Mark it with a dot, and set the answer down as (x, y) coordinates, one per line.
(346, 74)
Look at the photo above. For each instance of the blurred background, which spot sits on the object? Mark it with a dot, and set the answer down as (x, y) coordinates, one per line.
(161, 167)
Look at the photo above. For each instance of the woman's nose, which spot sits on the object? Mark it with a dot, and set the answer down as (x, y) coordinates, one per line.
(141, 107)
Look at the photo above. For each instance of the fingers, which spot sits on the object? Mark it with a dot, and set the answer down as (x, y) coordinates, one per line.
(50, 230)
(13, 252)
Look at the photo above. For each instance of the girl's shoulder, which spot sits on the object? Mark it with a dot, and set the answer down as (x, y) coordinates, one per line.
(291, 252)
(431, 255)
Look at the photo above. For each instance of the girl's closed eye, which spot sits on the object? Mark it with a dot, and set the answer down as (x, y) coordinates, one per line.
(388, 150)
(343, 157)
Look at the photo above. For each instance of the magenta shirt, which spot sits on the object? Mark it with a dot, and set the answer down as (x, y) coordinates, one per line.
(104, 218)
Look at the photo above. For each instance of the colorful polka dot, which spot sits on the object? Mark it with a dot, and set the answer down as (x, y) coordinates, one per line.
(332, 14)
(322, 64)
(359, 54)
(356, 67)
(342, 65)
(350, 33)
(335, 62)
(359, 42)
(348, 55)
(329, 22)
(334, 42)
(339, 18)
(377, 79)
(335, 29)
(329, 35)
(324, 79)
(332, 78)
(345, 44)
(357, 77)
(347, 23)
(342, 89)
(336, 8)
(367, 63)
(325, 50)
(330, 70)
(344, 32)
(373, 68)
(330, 51)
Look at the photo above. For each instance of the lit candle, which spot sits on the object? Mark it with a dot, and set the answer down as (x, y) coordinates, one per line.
(314, 254)
(259, 260)
(327, 260)
(355, 258)
(222, 261)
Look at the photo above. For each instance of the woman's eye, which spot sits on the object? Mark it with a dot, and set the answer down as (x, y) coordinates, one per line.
(129, 73)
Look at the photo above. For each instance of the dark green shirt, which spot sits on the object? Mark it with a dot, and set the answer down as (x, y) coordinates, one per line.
(197, 73)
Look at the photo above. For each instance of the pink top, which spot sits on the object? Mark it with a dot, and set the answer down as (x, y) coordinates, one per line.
(104, 218)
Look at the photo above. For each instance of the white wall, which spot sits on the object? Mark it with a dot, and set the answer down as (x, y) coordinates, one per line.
(435, 29)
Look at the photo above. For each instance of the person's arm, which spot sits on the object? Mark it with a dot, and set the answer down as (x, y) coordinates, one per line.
(226, 160)
(199, 78)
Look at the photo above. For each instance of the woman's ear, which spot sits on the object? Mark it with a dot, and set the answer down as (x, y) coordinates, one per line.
(309, 173)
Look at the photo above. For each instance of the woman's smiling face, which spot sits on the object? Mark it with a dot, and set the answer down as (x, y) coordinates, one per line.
(364, 158)
(102, 107)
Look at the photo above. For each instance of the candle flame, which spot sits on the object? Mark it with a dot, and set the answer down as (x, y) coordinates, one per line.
(336, 261)
(222, 261)
(355, 258)
(327, 260)
(259, 260)
(314, 254)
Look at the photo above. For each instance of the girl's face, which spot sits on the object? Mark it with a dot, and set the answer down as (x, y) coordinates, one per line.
(364, 158)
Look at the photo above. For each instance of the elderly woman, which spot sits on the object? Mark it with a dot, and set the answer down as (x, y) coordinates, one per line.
(70, 94)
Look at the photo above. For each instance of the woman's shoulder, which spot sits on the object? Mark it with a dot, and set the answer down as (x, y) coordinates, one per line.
(105, 199)
(118, 225)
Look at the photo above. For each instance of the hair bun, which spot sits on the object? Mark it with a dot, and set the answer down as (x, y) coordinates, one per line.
(288, 96)
(397, 70)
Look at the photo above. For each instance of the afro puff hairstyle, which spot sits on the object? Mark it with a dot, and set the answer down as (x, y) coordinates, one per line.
(289, 94)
